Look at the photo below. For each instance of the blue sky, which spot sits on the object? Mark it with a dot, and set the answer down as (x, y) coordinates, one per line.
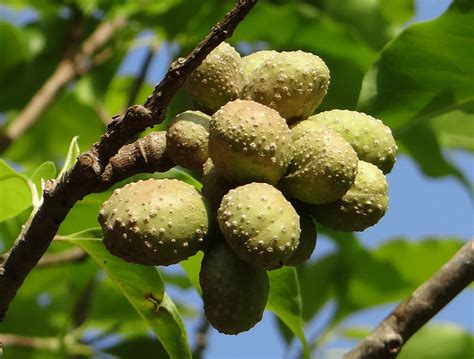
(419, 207)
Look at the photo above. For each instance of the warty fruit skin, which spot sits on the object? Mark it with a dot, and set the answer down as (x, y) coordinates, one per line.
(259, 224)
(154, 222)
(307, 241)
(214, 186)
(252, 61)
(370, 138)
(361, 207)
(217, 80)
(187, 138)
(233, 291)
(249, 142)
(293, 83)
(323, 167)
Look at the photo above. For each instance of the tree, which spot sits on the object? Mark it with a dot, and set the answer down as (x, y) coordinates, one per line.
(62, 79)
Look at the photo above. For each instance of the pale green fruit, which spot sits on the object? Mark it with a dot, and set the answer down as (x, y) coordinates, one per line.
(187, 137)
(323, 167)
(361, 207)
(233, 291)
(259, 224)
(371, 139)
(254, 60)
(249, 142)
(214, 186)
(218, 80)
(307, 241)
(292, 83)
(154, 222)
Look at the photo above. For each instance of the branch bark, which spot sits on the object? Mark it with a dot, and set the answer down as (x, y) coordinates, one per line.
(95, 170)
(74, 64)
(388, 338)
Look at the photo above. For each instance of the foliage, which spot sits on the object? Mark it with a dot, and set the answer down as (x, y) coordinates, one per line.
(417, 79)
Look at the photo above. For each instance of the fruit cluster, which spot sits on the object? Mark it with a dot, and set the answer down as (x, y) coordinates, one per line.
(270, 170)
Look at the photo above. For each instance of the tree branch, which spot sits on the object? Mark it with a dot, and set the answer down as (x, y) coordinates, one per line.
(392, 333)
(93, 172)
(73, 255)
(74, 64)
(137, 84)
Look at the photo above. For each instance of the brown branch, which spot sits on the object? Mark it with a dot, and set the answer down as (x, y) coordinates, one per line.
(93, 172)
(392, 333)
(201, 338)
(74, 64)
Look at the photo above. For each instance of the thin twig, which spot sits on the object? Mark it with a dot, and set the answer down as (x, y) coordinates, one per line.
(95, 171)
(73, 65)
(388, 338)
(201, 338)
(73, 255)
(137, 84)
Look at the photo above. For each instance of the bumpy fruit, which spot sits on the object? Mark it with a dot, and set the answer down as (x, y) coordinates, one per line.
(361, 207)
(307, 241)
(233, 291)
(217, 80)
(249, 142)
(214, 186)
(259, 224)
(371, 139)
(154, 222)
(254, 60)
(293, 83)
(187, 138)
(323, 167)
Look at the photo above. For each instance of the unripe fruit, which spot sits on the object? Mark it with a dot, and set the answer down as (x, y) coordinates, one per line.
(214, 186)
(361, 207)
(217, 80)
(249, 142)
(293, 83)
(233, 291)
(259, 224)
(254, 60)
(187, 137)
(323, 167)
(154, 222)
(370, 138)
(307, 241)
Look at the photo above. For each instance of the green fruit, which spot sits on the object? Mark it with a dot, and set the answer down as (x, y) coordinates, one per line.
(249, 142)
(234, 292)
(323, 167)
(187, 138)
(259, 224)
(154, 222)
(361, 207)
(293, 83)
(214, 186)
(370, 138)
(218, 80)
(253, 61)
(307, 241)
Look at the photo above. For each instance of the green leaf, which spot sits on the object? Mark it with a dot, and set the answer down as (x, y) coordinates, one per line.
(44, 172)
(16, 191)
(390, 272)
(192, 267)
(354, 332)
(421, 86)
(146, 347)
(71, 157)
(15, 44)
(447, 341)
(144, 289)
(285, 301)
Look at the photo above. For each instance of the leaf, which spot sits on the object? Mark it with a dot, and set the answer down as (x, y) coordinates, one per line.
(146, 347)
(285, 301)
(71, 157)
(144, 289)
(15, 44)
(424, 74)
(192, 267)
(44, 172)
(447, 341)
(16, 191)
